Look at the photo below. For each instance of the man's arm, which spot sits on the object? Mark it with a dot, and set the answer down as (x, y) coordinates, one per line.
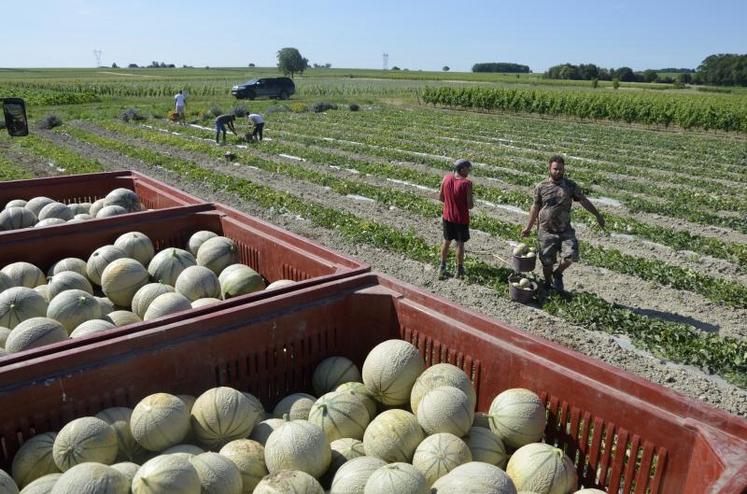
(587, 205)
(441, 192)
(470, 199)
(533, 213)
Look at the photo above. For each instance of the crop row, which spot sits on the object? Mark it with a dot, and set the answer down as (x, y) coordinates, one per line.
(12, 171)
(47, 97)
(64, 158)
(675, 341)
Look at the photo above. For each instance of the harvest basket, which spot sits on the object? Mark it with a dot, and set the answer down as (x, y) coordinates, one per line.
(523, 264)
(625, 435)
(519, 294)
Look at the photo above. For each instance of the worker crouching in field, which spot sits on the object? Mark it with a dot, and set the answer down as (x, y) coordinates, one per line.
(456, 194)
(221, 123)
(552, 205)
(259, 124)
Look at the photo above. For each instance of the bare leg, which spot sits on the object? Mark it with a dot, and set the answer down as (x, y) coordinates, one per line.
(563, 266)
(459, 254)
(445, 251)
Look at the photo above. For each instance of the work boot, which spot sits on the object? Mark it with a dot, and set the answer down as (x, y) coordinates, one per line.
(547, 285)
(442, 273)
(460, 272)
(558, 282)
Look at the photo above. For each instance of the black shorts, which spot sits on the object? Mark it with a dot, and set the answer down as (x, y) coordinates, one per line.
(455, 231)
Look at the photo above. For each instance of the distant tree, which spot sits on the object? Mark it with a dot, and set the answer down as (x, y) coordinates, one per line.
(500, 67)
(133, 66)
(650, 75)
(291, 62)
(625, 74)
(724, 70)
(395, 68)
(251, 65)
(445, 68)
(327, 65)
(114, 65)
(684, 78)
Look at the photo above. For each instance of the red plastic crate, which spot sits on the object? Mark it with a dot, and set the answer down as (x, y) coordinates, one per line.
(271, 251)
(625, 434)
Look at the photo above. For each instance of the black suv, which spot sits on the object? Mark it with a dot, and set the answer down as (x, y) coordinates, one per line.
(272, 87)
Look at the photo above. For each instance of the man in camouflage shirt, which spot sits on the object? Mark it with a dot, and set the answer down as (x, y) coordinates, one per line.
(552, 205)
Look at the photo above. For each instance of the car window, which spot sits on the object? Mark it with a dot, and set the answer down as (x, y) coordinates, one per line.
(250, 82)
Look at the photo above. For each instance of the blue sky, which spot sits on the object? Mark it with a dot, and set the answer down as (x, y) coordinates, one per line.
(416, 34)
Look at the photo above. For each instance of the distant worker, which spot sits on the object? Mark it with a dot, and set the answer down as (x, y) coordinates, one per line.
(552, 205)
(456, 194)
(180, 100)
(259, 124)
(221, 123)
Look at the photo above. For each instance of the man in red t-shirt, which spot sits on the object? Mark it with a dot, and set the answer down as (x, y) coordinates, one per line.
(456, 194)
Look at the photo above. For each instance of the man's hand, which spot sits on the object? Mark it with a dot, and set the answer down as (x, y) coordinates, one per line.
(526, 231)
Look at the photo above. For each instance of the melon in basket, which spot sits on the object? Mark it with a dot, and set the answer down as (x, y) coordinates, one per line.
(15, 203)
(221, 415)
(96, 207)
(73, 307)
(393, 436)
(361, 391)
(24, 274)
(217, 253)
(124, 198)
(42, 485)
(18, 304)
(168, 264)
(100, 259)
(92, 478)
(6, 282)
(168, 303)
(36, 204)
(445, 409)
(55, 210)
(15, 217)
(343, 450)
(298, 445)
(402, 478)
(86, 439)
(109, 211)
(340, 414)
(441, 375)
(91, 327)
(128, 469)
(34, 459)
(68, 280)
(518, 417)
(121, 279)
(165, 474)
(197, 282)
(486, 446)
(147, 294)
(128, 449)
(542, 468)
(137, 246)
(239, 279)
(332, 372)
(159, 421)
(249, 458)
(297, 406)
(68, 264)
(390, 371)
(35, 332)
(352, 476)
(474, 476)
(122, 318)
(439, 454)
(289, 481)
(218, 474)
(263, 429)
(197, 239)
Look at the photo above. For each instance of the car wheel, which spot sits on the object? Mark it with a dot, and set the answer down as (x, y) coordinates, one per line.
(283, 95)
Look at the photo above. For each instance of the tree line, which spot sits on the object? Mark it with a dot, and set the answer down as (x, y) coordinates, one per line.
(501, 67)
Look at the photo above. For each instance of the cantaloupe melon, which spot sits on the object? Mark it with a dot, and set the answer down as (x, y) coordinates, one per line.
(43, 290)
(16, 217)
(188, 449)
(352, 476)
(238, 279)
(15, 203)
(109, 211)
(332, 372)
(249, 458)
(91, 327)
(518, 417)
(279, 284)
(441, 375)
(218, 474)
(24, 274)
(18, 304)
(168, 303)
(127, 468)
(217, 253)
(49, 222)
(55, 210)
(96, 207)
(361, 391)
(5, 282)
(92, 478)
(42, 485)
(401, 478)
(80, 207)
(439, 454)
(7, 484)
(445, 409)
(137, 246)
(74, 264)
(34, 459)
(107, 306)
(289, 482)
(474, 477)
(390, 370)
(128, 449)
(85, 439)
(542, 468)
(125, 198)
(36, 204)
(257, 406)
(296, 406)
(197, 239)
(589, 491)
(197, 282)
(122, 318)
(202, 302)
(159, 421)
(147, 294)
(482, 419)
(121, 279)
(393, 436)
(168, 264)
(33, 333)
(343, 450)
(263, 429)
(221, 415)
(68, 280)
(100, 259)
(298, 445)
(486, 446)
(188, 400)
(340, 414)
(4, 332)
(73, 307)
(80, 217)
(166, 474)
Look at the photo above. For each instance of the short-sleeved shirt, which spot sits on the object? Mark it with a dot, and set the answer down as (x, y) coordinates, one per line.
(179, 98)
(223, 120)
(456, 199)
(256, 118)
(554, 202)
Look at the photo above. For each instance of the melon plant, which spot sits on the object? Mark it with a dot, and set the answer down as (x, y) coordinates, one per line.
(401, 478)
(124, 198)
(34, 459)
(249, 458)
(42, 485)
(239, 279)
(92, 478)
(68, 280)
(361, 391)
(168, 264)
(221, 415)
(36, 204)
(122, 318)
(390, 370)
(218, 474)
(518, 417)
(331, 372)
(137, 246)
(340, 414)
(217, 253)
(55, 210)
(197, 239)
(439, 454)
(159, 421)
(197, 282)
(166, 474)
(352, 476)
(85, 439)
(445, 409)
(296, 406)
(486, 446)
(15, 218)
(121, 279)
(109, 211)
(73, 307)
(128, 449)
(298, 445)
(441, 375)
(263, 429)
(68, 264)
(18, 304)
(542, 468)
(147, 294)
(289, 482)
(100, 259)
(168, 303)
(474, 477)
(24, 274)
(33, 333)
(393, 436)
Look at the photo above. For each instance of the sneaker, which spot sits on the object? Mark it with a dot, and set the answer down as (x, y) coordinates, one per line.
(442, 273)
(460, 272)
(558, 282)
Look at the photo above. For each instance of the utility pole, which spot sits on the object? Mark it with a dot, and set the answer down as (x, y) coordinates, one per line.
(97, 53)
(386, 61)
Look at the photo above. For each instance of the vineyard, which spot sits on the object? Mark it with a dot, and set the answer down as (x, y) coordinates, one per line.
(662, 292)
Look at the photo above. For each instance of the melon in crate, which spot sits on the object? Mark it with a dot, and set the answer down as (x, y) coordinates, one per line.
(218, 474)
(486, 446)
(85, 439)
(80, 208)
(441, 375)
(147, 294)
(217, 253)
(107, 306)
(263, 429)
(15, 203)
(166, 474)
(73, 307)
(184, 449)
(80, 217)
(68, 280)
(197, 282)
(202, 302)
(340, 414)
(159, 421)
(121, 279)
(439, 454)
(390, 371)
(4, 332)
(68, 264)
(127, 468)
(518, 417)
(92, 478)
(24, 274)
(33, 333)
(239, 279)
(137, 246)
(289, 481)
(279, 284)
(361, 391)
(34, 459)
(249, 458)
(7, 484)
(42, 485)
(221, 415)
(128, 449)
(124, 198)
(296, 406)
(393, 436)
(197, 239)
(445, 409)
(109, 211)
(343, 450)
(352, 476)
(36, 204)
(18, 304)
(15, 218)
(542, 468)
(96, 207)
(6, 282)
(401, 478)
(332, 372)
(168, 303)
(122, 318)
(50, 222)
(43, 290)
(168, 264)
(298, 445)
(55, 210)
(100, 259)
(474, 477)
